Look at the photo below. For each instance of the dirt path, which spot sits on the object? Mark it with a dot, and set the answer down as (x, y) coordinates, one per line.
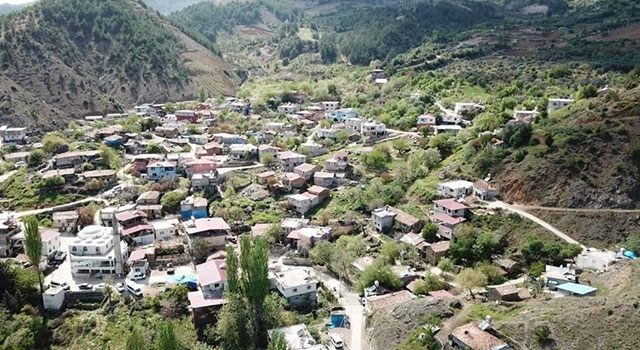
(452, 323)
(575, 210)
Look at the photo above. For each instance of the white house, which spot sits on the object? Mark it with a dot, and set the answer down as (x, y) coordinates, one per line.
(243, 151)
(383, 218)
(12, 134)
(329, 106)
(452, 129)
(558, 103)
(353, 124)
(457, 188)
(65, 220)
(327, 133)
(301, 203)
(289, 160)
(525, 116)
(426, 120)
(297, 285)
(107, 213)
(372, 128)
(92, 251)
(450, 206)
(50, 241)
(462, 107)
(165, 229)
(451, 118)
(288, 108)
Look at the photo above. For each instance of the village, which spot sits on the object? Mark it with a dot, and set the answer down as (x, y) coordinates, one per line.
(161, 191)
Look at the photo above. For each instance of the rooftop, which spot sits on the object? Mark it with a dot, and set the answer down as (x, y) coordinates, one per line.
(290, 155)
(482, 185)
(62, 215)
(259, 229)
(206, 224)
(305, 167)
(575, 288)
(137, 228)
(295, 277)
(130, 215)
(404, 218)
(293, 223)
(99, 173)
(440, 247)
(378, 302)
(457, 184)
(316, 189)
(450, 203)
(298, 337)
(49, 234)
(477, 339)
(138, 254)
(444, 218)
(213, 271)
(441, 294)
(324, 175)
(197, 300)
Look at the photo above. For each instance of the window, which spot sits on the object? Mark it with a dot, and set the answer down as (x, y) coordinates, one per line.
(295, 290)
(74, 249)
(97, 249)
(308, 287)
(217, 285)
(84, 249)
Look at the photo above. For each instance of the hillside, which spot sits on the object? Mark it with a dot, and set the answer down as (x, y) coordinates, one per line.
(112, 54)
(8, 8)
(166, 7)
(592, 161)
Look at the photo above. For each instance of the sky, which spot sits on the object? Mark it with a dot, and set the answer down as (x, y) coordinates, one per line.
(14, 2)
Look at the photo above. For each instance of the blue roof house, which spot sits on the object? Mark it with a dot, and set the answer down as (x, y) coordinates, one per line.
(193, 207)
(576, 289)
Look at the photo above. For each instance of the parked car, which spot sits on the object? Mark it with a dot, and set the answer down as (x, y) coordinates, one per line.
(139, 276)
(170, 270)
(100, 286)
(59, 284)
(120, 287)
(60, 256)
(85, 286)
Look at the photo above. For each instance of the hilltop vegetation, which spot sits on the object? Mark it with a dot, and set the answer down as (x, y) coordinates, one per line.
(73, 57)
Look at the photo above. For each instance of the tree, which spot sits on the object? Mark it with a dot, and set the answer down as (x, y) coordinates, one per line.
(429, 232)
(35, 158)
(135, 341)
(390, 251)
(322, 253)
(379, 271)
(171, 201)
(86, 214)
(267, 159)
(431, 157)
(33, 245)
(166, 337)
(200, 249)
(542, 334)
(278, 342)
(401, 145)
(52, 142)
(154, 148)
(484, 246)
(109, 157)
(428, 284)
(445, 265)
(588, 91)
(254, 263)
(201, 95)
(445, 143)
(273, 234)
(332, 89)
(471, 278)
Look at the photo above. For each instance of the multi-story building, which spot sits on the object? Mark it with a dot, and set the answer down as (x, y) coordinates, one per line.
(65, 220)
(212, 230)
(13, 134)
(50, 241)
(353, 124)
(297, 285)
(288, 108)
(373, 128)
(135, 227)
(339, 162)
(306, 170)
(194, 207)
(160, 170)
(289, 160)
(92, 251)
(383, 219)
(165, 229)
(9, 242)
(212, 277)
(329, 106)
(340, 115)
(450, 207)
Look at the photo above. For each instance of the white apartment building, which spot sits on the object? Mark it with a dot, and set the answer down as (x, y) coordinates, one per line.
(50, 241)
(373, 128)
(330, 105)
(558, 103)
(165, 229)
(457, 188)
(92, 252)
(288, 108)
(297, 285)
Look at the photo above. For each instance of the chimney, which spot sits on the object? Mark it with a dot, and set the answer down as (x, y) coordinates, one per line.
(116, 244)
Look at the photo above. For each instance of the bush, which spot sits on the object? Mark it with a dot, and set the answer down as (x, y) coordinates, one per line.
(381, 272)
(171, 201)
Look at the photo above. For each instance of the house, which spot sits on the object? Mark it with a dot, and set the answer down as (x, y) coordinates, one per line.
(258, 230)
(324, 179)
(106, 176)
(353, 125)
(198, 139)
(451, 119)
(575, 289)
(212, 277)
(436, 251)
(229, 139)
(107, 213)
(159, 170)
(290, 224)
(416, 240)
(153, 211)
(149, 197)
(340, 115)
(167, 132)
(288, 108)
(213, 148)
(297, 285)
(243, 151)
(239, 106)
(426, 121)
(10, 244)
(524, 116)
(93, 252)
(451, 129)
(65, 220)
(267, 177)
(462, 107)
(306, 237)
(301, 203)
(293, 180)
(212, 230)
(194, 207)
(406, 221)
(446, 224)
(268, 150)
(50, 241)
(450, 207)
(327, 133)
(274, 126)
(329, 106)
(13, 134)
(140, 161)
(16, 157)
(289, 160)
(314, 148)
(69, 174)
(72, 159)
(138, 263)
(598, 259)
(135, 228)
(484, 190)
(558, 103)
(300, 96)
(201, 182)
(203, 306)
(114, 141)
(298, 337)
(511, 267)
(338, 162)
(379, 302)
(306, 170)
(383, 219)
(506, 292)
(457, 189)
(186, 115)
(165, 229)
(441, 294)
(200, 166)
(373, 128)
(471, 336)
(319, 191)
(556, 276)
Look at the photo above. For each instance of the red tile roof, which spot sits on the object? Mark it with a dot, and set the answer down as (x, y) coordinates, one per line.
(197, 300)
(290, 155)
(130, 215)
(387, 300)
(446, 219)
(137, 228)
(213, 271)
(48, 235)
(476, 338)
(206, 224)
(450, 203)
(317, 190)
(138, 254)
(440, 247)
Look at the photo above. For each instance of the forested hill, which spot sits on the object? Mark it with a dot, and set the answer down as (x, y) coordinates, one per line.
(167, 7)
(8, 8)
(61, 59)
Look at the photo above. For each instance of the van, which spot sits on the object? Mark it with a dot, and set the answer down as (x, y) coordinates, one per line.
(336, 341)
(133, 288)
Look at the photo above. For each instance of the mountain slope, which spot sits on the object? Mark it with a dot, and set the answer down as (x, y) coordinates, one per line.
(8, 8)
(62, 59)
(170, 6)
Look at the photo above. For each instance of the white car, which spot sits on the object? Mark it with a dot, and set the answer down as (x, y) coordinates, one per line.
(120, 287)
(139, 276)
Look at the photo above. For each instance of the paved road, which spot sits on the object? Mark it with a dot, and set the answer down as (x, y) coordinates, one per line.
(521, 212)
(350, 300)
(575, 210)
(409, 133)
(226, 170)
(58, 207)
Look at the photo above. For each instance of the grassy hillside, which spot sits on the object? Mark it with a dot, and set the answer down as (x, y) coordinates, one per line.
(69, 58)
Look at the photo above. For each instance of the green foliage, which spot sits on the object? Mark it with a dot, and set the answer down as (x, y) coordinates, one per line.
(517, 134)
(375, 159)
(171, 201)
(537, 269)
(35, 158)
(542, 333)
(135, 341)
(52, 142)
(548, 252)
(493, 273)
(379, 271)
(154, 148)
(33, 245)
(587, 91)
(445, 265)
(471, 278)
(322, 253)
(50, 184)
(445, 143)
(429, 232)
(278, 342)
(390, 252)
(420, 339)
(471, 247)
(201, 95)
(110, 158)
(428, 284)
(166, 337)
(18, 287)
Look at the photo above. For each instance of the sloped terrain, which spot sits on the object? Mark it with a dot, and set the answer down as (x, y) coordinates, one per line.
(593, 160)
(607, 321)
(65, 59)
